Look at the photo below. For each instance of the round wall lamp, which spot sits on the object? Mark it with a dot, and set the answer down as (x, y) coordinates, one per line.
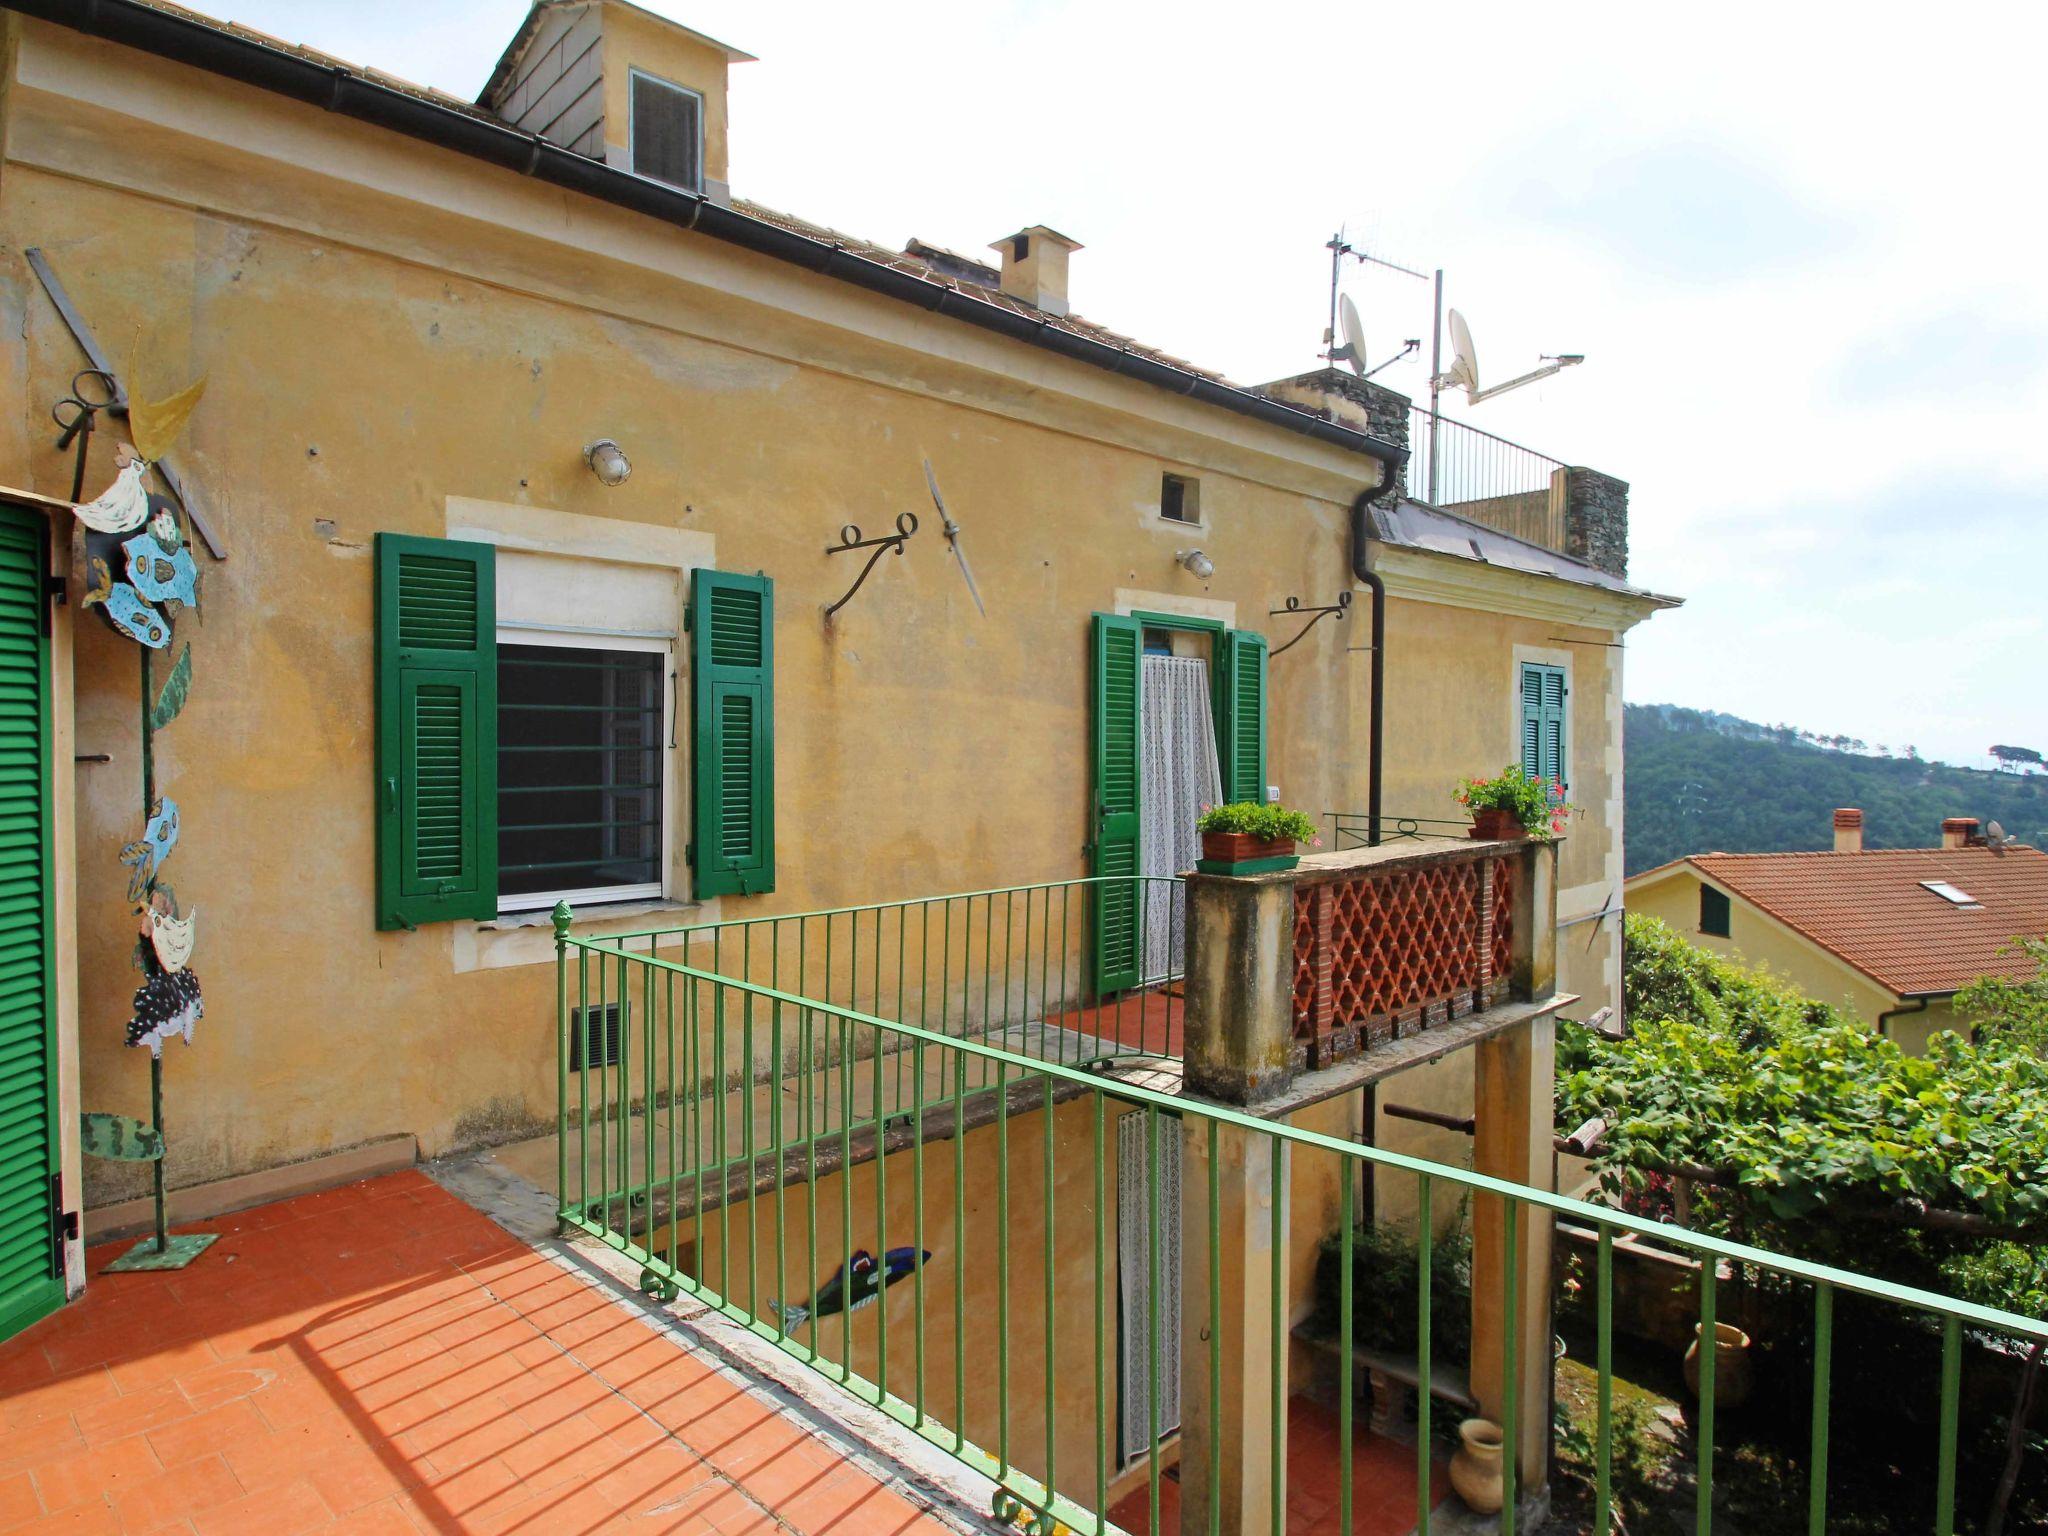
(1195, 563)
(608, 461)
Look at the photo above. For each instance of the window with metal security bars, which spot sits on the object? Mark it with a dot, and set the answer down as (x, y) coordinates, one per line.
(1714, 912)
(666, 132)
(594, 1036)
(581, 737)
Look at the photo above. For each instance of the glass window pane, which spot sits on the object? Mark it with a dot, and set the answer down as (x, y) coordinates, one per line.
(579, 768)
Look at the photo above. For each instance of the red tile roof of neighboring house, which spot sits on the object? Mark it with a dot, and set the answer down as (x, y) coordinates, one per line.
(1872, 910)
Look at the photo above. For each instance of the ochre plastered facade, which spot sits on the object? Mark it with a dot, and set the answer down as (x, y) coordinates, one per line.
(393, 335)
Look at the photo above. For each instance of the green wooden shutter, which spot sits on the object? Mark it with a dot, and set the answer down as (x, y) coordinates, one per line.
(1544, 753)
(1241, 714)
(437, 731)
(31, 1254)
(1118, 644)
(732, 692)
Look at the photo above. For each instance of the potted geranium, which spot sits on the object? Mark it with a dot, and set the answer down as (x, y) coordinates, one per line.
(1515, 804)
(1251, 839)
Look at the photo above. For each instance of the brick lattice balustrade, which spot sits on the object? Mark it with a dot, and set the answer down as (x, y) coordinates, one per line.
(1382, 952)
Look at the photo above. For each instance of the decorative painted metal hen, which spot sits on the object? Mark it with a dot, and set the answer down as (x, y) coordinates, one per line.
(868, 1281)
(123, 506)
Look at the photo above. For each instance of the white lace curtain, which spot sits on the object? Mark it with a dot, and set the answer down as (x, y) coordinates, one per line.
(1180, 775)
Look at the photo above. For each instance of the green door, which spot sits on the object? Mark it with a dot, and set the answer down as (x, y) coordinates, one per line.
(31, 1252)
(1118, 644)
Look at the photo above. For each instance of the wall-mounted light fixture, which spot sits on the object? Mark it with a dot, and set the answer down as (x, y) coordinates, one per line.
(1195, 563)
(608, 461)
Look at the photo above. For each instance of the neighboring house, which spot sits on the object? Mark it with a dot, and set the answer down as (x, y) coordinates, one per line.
(1890, 934)
(531, 456)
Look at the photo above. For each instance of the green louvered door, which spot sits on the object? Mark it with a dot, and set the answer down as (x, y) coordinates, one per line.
(732, 693)
(1241, 714)
(437, 731)
(1118, 644)
(31, 1254)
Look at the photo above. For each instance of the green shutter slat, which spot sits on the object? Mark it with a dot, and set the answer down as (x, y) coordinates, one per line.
(31, 1283)
(732, 695)
(1118, 645)
(437, 731)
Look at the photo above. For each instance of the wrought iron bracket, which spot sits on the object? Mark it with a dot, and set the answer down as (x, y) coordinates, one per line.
(1316, 616)
(850, 539)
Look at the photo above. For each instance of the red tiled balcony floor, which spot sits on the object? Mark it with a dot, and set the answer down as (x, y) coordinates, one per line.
(382, 1358)
(1382, 1481)
(1148, 1021)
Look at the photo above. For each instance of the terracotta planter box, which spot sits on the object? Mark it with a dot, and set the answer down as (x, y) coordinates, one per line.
(1239, 853)
(1497, 825)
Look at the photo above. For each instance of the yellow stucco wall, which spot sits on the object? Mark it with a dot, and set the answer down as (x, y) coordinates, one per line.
(387, 331)
(1758, 940)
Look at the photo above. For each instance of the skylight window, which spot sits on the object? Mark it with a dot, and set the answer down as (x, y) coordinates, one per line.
(1954, 895)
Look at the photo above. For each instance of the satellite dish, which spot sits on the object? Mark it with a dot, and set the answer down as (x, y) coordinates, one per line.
(1353, 350)
(1464, 371)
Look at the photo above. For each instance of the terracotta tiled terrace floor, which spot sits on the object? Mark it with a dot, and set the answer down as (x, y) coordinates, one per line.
(1382, 1481)
(382, 1358)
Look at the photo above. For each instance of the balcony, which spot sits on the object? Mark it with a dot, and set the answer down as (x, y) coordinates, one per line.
(899, 1148)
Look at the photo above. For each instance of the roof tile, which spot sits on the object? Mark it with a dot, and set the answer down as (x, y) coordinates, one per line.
(1871, 909)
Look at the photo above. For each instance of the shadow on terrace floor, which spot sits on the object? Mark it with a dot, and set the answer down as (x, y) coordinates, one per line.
(382, 1358)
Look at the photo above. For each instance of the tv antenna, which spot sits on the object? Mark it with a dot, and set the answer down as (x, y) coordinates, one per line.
(1464, 370)
(1344, 314)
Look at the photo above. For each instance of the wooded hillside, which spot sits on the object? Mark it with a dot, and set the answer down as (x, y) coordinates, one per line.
(1701, 782)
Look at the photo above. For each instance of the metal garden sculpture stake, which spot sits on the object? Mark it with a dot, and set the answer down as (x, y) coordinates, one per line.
(136, 560)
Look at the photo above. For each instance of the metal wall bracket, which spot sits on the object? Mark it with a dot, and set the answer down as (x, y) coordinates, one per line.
(850, 539)
(1316, 616)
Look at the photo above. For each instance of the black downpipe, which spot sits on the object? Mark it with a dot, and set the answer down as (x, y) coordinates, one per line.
(1361, 567)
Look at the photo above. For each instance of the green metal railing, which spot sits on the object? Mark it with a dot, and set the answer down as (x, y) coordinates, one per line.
(1012, 965)
(747, 1143)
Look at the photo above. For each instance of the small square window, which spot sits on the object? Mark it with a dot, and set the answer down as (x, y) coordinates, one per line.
(1714, 912)
(1180, 499)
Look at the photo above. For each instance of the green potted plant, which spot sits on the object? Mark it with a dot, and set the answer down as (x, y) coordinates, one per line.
(1515, 804)
(1251, 839)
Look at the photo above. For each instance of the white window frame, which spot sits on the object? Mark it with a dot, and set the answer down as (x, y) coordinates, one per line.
(598, 640)
(632, 155)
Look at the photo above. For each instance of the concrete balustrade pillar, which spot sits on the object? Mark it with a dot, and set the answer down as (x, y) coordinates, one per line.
(1238, 1025)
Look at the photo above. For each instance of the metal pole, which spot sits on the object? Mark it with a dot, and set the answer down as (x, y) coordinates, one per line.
(1436, 368)
(156, 1060)
(1336, 268)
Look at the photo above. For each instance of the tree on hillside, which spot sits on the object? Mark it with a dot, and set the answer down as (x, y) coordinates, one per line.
(2016, 758)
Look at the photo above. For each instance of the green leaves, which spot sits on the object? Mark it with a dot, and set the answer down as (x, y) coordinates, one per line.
(1804, 1110)
(1262, 821)
(171, 698)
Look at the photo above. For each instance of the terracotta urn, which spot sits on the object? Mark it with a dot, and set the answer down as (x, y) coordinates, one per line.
(1497, 825)
(1229, 853)
(1475, 1465)
(1732, 1380)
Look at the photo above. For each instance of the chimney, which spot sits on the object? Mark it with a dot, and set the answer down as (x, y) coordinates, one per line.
(1957, 831)
(1035, 267)
(1848, 830)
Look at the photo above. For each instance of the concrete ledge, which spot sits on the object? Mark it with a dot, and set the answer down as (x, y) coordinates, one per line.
(201, 1202)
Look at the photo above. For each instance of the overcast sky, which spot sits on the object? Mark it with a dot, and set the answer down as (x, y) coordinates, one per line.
(1800, 246)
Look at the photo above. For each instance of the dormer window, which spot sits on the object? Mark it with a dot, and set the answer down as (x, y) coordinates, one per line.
(666, 132)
